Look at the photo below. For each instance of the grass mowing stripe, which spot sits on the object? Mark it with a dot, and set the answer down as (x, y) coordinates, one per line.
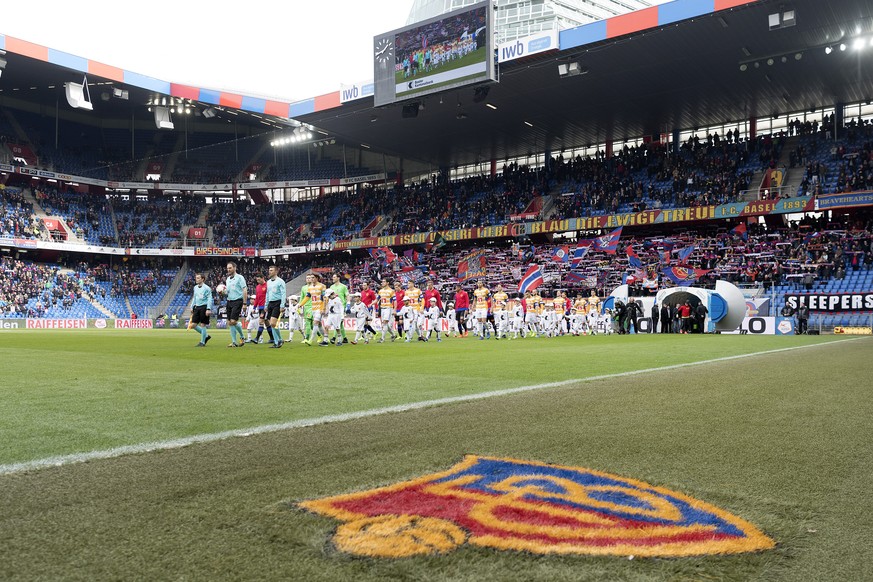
(212, 437)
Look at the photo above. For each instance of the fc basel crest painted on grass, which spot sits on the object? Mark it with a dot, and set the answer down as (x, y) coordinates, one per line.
(535, 507)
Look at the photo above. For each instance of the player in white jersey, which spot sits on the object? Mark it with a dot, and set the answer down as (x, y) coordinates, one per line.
(409, 318)
(452, 318)
(592, 320)
(333, 317)
(295, 317)
(577, 322)
(432, 319)
(253, 318)
(547, 321)
(605, 323)
(516, 317)
(361, 314)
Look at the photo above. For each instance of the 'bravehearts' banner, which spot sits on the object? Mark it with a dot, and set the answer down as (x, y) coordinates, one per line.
(831, 302)
(847, 200)
(610, 221)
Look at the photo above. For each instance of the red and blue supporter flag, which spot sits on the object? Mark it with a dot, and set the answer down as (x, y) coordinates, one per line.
(685, 253)
(665, 257)
(579, 254)
(472, 266)
(411, 254)
(683, 276)
(383, 254)
(633, 258)
(608, 243)
(463, 269)
(741, 230)
(561, 254)
(575, 277)
(810, 237)
(532, 279)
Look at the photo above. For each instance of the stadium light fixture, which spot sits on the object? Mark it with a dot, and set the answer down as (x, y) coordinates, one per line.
(528, 123)
(163, 119)
(78, 95)
(209, 113)
(571, 69)
(842, 46)
(859, 44)
(491, 106)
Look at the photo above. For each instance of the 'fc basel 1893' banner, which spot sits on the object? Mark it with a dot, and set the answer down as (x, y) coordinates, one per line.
(831, 302)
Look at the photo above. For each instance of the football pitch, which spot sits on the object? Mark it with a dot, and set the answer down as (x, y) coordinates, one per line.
(772, 429)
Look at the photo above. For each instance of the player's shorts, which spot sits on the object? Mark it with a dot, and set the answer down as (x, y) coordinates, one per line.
(317, 314)
(385, 314)
(261, 311)
(274, 308)
(530, 317)
(360, 324)
(198, 315)
(234, 308)
(481, 313)
(334, 321)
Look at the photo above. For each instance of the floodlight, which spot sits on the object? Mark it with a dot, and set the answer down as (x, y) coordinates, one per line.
(78, 95)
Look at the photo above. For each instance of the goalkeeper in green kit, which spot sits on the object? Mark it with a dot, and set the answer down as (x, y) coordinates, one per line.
(307, 309)
(343, 293)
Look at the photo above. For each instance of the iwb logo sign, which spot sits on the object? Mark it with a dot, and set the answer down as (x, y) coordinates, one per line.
(356, 91)
(527, 46)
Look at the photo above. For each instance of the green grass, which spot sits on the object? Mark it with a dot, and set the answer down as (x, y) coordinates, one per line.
(101, 389)
(781, 440)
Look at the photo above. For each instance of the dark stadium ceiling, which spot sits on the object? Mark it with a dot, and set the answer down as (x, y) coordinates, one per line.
(682, 76)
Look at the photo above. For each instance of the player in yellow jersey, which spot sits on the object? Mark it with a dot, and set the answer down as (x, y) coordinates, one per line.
(386, 309)
(500, 308)
(594, 302)
(580, 304)
(315, 299)
(414, 294)
(480, 305)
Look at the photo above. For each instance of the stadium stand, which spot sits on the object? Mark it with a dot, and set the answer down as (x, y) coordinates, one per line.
(17, 219)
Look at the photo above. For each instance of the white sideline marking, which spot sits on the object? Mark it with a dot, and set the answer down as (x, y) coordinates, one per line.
(62, 460)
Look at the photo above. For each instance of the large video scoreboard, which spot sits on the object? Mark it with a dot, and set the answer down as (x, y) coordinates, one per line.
(450, 50)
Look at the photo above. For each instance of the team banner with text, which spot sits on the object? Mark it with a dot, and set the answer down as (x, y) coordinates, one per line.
(609, 221)
(831, 302)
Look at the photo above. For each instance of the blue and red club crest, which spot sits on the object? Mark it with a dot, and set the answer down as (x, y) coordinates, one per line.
(545, 509)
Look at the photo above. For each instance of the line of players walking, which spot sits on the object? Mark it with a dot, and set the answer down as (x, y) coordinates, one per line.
(318, 313)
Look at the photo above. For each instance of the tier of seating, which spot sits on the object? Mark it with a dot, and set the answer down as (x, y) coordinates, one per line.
(17, 219)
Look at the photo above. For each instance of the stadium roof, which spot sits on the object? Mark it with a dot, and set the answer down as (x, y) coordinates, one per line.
(660, 78)
(672, 66)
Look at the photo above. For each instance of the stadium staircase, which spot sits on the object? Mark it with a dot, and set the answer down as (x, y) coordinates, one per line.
(242, 177)
(127, 304)
(543, 206)
(164, 306)
(168, 170)
(294, 285)
(375, 226)
(114, 219)
(97, 305)
(41, 214)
